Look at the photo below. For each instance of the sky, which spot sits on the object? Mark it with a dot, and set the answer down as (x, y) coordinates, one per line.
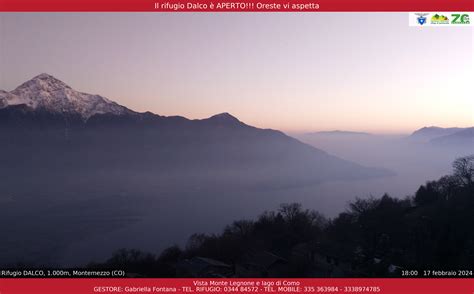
(293, 72)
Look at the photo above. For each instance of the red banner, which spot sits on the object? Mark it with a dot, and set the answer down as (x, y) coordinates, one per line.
(383, 286)
(234, 6)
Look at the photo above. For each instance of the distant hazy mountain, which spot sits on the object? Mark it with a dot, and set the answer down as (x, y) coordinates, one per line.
(428, 133)
(339, 133)
(464, 137)
(51, 127)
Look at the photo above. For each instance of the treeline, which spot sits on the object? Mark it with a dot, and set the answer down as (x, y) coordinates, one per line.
(374, 237)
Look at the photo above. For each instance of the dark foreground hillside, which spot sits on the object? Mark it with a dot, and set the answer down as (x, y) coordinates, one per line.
(375, 237)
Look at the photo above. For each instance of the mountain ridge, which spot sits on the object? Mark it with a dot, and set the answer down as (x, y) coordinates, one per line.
(130, 140)
(37, 94)
(44, 91)
(428, 133)
(464, 136)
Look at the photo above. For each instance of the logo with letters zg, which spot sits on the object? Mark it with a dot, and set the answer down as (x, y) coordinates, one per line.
(458, 18)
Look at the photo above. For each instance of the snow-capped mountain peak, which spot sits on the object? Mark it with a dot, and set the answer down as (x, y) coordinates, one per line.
(44, 82)
(47, 92)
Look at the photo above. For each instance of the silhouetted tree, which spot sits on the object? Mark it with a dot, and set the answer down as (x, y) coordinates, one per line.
(464, 170)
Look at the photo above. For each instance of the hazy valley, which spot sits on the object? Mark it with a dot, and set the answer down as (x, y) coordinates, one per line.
(83, 176)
